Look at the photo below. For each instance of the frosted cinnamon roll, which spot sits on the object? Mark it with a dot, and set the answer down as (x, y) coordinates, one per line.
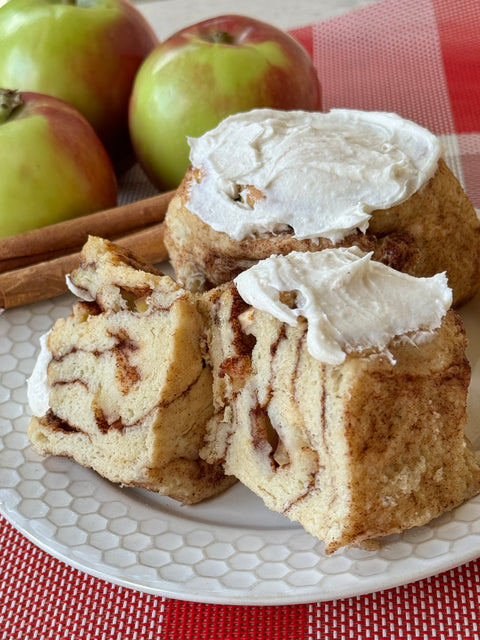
(270, 182)
(340, 391)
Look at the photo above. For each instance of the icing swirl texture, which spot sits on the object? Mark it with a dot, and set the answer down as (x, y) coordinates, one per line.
(318, 174)
(350, 301)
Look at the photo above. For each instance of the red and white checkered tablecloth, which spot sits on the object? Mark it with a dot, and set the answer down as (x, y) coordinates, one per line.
(420, 58)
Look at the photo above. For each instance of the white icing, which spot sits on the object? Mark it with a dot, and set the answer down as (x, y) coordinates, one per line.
(37, 384)
(83, 294)
(322, 174)
(351, 302)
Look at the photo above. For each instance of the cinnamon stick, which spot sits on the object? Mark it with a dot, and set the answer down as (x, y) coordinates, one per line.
(67, 237)
(47, 279)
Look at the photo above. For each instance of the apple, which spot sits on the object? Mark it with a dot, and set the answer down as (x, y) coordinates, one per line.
(205, 72)
(85, 52)
(52, 164)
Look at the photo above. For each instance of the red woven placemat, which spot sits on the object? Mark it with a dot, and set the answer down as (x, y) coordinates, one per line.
(420, 58)
(42, 598)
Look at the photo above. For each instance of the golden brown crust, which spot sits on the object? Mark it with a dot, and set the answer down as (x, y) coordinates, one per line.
(436, 230)
(352, 452)
(129, 390)
(180, 393)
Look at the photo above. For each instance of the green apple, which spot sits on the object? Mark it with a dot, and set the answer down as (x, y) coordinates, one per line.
(202, 74)
(52, 164)
(86, 52)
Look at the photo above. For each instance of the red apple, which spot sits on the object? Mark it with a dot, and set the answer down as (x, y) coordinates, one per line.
(86, 52)
(52, 164)
(202, 74)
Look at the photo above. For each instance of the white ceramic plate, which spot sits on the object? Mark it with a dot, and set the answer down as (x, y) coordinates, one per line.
(230, 549)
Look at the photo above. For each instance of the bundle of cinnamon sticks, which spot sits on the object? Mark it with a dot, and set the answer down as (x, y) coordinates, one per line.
(33, 264)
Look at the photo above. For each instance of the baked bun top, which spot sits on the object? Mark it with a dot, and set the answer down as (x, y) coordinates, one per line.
(319, 174)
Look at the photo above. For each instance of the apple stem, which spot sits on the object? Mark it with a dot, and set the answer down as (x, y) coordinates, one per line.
(221, 37)
(9, 101)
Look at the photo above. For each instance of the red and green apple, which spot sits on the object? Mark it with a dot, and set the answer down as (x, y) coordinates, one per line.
(205, 72)
(85, 52)
(52, 164)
